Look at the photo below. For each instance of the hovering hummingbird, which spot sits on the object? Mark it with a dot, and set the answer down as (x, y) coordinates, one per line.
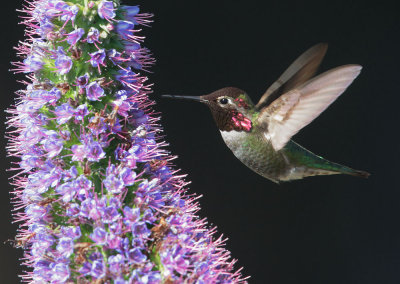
(260, 135)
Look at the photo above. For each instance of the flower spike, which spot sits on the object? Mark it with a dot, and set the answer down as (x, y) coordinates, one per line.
(96, 194)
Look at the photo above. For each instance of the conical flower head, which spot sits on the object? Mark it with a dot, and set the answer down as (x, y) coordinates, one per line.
(97, 196)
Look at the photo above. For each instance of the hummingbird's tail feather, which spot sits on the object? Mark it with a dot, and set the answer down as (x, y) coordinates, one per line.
(321, 166)
(329, 168)
(316, 165)
(356, 173)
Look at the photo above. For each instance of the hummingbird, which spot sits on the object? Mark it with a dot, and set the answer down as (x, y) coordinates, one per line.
(259, 135)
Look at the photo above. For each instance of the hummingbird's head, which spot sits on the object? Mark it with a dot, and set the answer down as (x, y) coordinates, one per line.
(231, 108)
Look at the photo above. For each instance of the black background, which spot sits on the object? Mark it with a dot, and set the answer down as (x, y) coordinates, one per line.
(332, 229)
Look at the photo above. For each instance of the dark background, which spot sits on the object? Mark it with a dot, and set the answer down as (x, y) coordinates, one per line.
(332, 229)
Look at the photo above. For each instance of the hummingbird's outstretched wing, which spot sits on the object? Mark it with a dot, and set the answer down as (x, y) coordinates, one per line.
(301, 70)
(295, 109)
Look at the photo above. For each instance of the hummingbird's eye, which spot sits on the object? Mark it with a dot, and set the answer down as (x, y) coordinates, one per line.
(223, 101)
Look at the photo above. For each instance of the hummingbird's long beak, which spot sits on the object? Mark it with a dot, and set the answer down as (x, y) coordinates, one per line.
(192, 98)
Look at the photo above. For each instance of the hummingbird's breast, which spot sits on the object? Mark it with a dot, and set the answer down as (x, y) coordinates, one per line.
(257, 154)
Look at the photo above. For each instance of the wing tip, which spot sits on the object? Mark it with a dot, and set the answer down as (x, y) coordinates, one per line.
(351, 71)
(322, 45)
(356, 68)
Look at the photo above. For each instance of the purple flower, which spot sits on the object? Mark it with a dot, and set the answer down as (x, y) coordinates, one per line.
(71, 232)
(123, 103)
(60, 273)
(79, 152)
(94, 91)
(73, 210)
(98, 270)
(33, 63)
(148, 216)
(130, 12)
(63, 63)
(43, 242)
(65, 246)
(99, 235)
(115, 262)
(97, 58)
(29, 161)
(127, 176)
(125, 28)
(54, 8)
(63, 113)
(131, 215)
(114, 56)
(70, 174)
(52, 96)
(90, 209)
(149, 277)
(41, 180)
(32, 135)
(46, 28)
(116, 228)
(52, 144)
(74, 36)
(69, 13)
(113, 241)
(131, 46)
(67, 190)
(86, 268)
(114, 202)
(120, 280)
(136, 256)
(95, 152)
(126, 77)
(113, 184)
(92, 150)
(93, 35)
(110, 215)
(140, 229)
(138, 117)
(83, 182)
(82, 81)
(80, 112)
(106, 10)
(35, 211)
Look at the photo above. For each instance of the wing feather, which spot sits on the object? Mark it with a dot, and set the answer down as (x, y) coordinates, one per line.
(301, 70)
(295, 109)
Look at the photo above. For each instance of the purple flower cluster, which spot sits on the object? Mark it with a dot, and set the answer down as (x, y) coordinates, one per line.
(96, 194)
